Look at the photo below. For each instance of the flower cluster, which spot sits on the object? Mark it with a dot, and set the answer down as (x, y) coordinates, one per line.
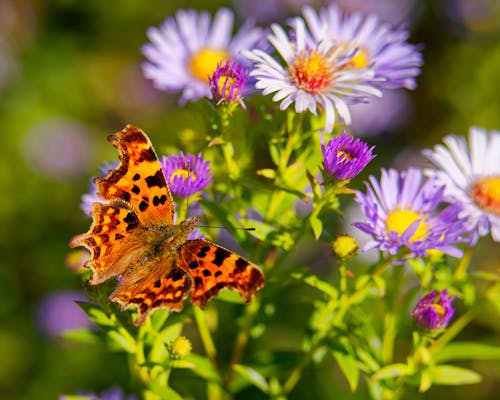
(330, 59)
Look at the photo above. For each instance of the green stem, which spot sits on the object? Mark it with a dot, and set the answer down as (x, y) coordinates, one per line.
(228, 154)
(206, 337)
(461, 270)
(244, 334)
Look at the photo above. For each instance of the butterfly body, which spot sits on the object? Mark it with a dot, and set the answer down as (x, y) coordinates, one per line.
(133, 238)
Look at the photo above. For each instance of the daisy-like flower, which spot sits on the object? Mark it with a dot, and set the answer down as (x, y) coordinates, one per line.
(228, 82)
(471, 175)
(380, 46)
(403, 212)
(186, 174)
(317, 73)
(345, 157)
(88, 199)
(435, 310)
(185, 50)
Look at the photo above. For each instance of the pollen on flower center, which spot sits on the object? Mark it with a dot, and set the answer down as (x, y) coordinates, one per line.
(343, 156)
(486, 194)
(400, 220)
(311, 71)
(203, 64)
(183, 173)
(360, 59)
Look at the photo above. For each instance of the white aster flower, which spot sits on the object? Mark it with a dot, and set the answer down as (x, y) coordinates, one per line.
(316, 73)
(185, 51)
(471, 173)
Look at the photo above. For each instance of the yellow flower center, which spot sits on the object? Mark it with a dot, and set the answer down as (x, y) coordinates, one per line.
(360, 60)
(311, 71)
(486, 194)
(439, 309)
(183, 173)
(229, 82)
(400, 220)
(343, 157)
(204, 63)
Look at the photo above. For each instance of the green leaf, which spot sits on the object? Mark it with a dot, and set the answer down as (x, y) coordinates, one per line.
(82, 336)
(267, 173)
(204, 368)
(230, 296)
(316, 225)
(467, 351)
(315, 282)
(452, 375)
(252, 376)
(425, 381)
(122, 341)
(164, 392)
(349, 367)
(97, 315)
(393, 371)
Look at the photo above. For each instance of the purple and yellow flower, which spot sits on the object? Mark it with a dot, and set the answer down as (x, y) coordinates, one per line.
(380, 47)
(404, 212)
(88, 199)
(185, 51)
(228, 82)
(435, 310)
(316, 73)
(345, 157)
(471, 175)
(186, 174)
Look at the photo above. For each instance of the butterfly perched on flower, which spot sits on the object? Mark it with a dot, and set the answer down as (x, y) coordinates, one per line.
(133, 238)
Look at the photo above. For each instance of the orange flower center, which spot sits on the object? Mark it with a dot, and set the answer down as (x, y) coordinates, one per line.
(311, 71)
(486, 194)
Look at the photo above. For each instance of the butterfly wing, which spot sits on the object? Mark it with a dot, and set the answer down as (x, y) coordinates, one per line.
(139, 179)
(212, 268)
(111, 232)
(162, 287)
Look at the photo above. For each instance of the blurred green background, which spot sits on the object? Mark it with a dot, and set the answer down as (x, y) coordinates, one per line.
(70, 75)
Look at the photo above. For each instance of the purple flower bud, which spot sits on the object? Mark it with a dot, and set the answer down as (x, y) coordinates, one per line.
(228, 82)
(434, 310)
(345, 157)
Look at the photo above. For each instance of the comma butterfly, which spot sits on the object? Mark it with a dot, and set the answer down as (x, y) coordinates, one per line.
(133, 237)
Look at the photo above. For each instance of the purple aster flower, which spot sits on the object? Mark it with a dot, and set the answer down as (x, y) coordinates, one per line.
(345, 157)
(435, 310)
(380, 47)
(316, 74)
(186, 174)
(228, 83)
(185, 50)
(58, 313)
(404, 212)
(471, 175)
(113, 393)
(88, 199)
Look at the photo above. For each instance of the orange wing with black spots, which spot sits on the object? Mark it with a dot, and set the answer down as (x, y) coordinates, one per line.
(139, 179)
(133, 238)
(213, 268)
(111, 230)
(165, 288)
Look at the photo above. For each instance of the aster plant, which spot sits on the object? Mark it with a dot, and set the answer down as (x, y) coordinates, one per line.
(185, 51)
(470, 172)
(271, 178)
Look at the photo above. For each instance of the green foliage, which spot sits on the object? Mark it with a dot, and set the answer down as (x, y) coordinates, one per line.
(322, 327)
